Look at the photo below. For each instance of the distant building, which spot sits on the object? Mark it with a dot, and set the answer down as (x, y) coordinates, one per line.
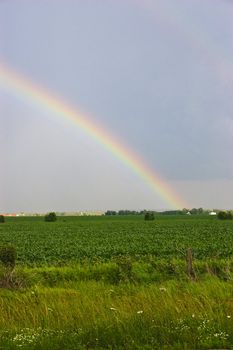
(212, 213)
(9, 214)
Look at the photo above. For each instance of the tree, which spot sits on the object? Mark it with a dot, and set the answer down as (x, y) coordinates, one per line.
(185, 211)
(229, 215)
(2, 219)
(225, 215)
(149, 216)
(111, 212)
(50, 217)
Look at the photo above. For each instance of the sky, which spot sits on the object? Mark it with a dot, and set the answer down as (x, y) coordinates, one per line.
(157, 74)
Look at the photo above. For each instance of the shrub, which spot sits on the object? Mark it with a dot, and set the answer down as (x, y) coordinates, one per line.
(2, 219)
(51, 217)
(8, 256)
(225, 215)
(149, 216)
(125, 267)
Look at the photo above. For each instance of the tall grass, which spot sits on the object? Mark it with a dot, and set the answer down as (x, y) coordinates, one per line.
(93, 314)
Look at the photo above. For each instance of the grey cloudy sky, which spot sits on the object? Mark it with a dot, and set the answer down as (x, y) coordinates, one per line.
(157, 74)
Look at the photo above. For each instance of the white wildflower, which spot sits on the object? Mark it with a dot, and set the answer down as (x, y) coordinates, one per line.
(113, 309)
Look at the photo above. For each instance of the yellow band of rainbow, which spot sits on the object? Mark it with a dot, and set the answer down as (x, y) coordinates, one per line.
(16, 84)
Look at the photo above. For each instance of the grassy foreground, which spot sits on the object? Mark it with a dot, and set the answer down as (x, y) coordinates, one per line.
(117, 283)
(60, 312)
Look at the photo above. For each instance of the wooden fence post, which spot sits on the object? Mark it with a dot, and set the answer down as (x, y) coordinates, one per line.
(189, 260)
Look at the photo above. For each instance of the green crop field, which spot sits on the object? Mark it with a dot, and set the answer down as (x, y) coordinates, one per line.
(117, 283)
(78, 238)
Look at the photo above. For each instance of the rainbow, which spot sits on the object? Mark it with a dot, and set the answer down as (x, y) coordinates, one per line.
(16, 84)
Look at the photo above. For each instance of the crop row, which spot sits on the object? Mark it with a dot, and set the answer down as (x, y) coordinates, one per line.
(77, 239)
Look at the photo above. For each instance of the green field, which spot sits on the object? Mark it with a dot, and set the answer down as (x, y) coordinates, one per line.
(118, 283)
(102, 238)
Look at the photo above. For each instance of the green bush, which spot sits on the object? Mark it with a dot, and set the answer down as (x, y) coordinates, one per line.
(2, 219)
(149, 216)
(225, 215)
(51, 217)
(125, 268)
(8, 255)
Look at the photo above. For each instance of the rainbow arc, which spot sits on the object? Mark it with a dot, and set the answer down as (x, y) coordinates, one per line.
(18, 85)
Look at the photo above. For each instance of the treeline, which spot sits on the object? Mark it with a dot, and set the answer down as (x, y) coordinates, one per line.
(185, 211)
(125, 212)
(193, 211)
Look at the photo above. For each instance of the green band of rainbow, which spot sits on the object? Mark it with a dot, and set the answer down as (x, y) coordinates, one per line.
(18, 85)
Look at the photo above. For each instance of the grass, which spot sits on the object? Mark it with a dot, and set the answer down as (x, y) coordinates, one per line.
(137, 297)
(90, 314)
